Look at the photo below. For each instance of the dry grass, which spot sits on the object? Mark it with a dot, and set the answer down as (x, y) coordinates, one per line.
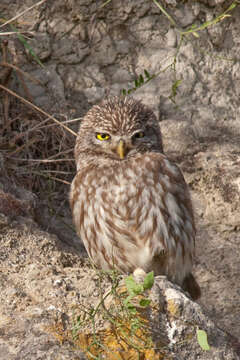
(37, 147)
(34, 150)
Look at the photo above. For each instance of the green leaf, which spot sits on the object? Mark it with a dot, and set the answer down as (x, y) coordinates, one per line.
(144, 302)
(195, 34)
(132, 287)
(135, 325)
(194, 26)
(130, 283)
(27, 46)
(175, 87)
(124, 92)
(141, 80)
(127, 300)
(147, 74)
(202, 339)
(148, 281)
(132, 309)
(232, 6)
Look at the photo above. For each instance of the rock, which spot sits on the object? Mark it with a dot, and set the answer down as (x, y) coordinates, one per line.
(45, 79)
(121, 76)
(105, 53)
(171, 2)
(94, 94)
(45, 297)
(67, 52)
(171, 38)
(213, 2)
(40, 45)
(84, 48)
(123, 46)
(34, 343)
(116, 89)
(217, 33)
(185, 15)
(183, 319)
(93, 76)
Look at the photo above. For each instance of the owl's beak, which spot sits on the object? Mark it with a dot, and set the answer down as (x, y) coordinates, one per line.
(121, 149)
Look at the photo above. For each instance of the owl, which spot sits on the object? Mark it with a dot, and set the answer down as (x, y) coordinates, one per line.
(130, 203)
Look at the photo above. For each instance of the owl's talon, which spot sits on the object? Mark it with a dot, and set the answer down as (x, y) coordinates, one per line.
(139, 275)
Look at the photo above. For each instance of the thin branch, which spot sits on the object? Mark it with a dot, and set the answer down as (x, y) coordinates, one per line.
(165, 13)
(14, 33)
(30, 77)
(51, 177)
(22, 13)
(37, 109)
(40, 161)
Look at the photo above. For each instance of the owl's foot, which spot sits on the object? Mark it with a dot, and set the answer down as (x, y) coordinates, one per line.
(139, 275)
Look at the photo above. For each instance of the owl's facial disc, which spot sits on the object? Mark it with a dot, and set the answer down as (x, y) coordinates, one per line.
(123, 146)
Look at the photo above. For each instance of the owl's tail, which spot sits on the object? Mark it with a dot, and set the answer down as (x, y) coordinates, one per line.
(191, 286)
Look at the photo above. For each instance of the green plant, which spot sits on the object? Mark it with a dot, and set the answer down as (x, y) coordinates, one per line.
(135, 289)
(194, 29)
(183, 36)
(202, 339)
(139, 82)
(123, 308)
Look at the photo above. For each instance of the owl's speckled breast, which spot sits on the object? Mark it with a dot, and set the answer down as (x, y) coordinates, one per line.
(138, 211)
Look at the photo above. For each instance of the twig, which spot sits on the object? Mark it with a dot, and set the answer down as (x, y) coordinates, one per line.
(14, 33)
(165, 13)
(37, 109)
(41, 161)
(4, 80)
(32, 78)
(22, 13)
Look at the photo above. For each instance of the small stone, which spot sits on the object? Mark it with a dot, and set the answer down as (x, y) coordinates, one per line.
(40, 44)
(171, 2)
(4, 221)
(123, 46)
(106, 54)
(94, 94)
(185, 16)
(93, 76)
(57, 282)
(121, 76)
(171, 38)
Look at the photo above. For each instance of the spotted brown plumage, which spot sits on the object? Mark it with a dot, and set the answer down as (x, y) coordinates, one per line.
(130, 203)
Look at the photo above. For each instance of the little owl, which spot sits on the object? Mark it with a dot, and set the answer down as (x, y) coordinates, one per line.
(130, 203)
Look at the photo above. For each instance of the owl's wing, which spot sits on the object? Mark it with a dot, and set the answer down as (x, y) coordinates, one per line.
(173, 218)
(151, 204)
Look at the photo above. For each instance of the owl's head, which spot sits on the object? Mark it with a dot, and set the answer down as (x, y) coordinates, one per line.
(118, 128)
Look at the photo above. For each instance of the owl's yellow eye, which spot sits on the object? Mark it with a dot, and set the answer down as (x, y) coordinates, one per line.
(102, 136)
(139, 135)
